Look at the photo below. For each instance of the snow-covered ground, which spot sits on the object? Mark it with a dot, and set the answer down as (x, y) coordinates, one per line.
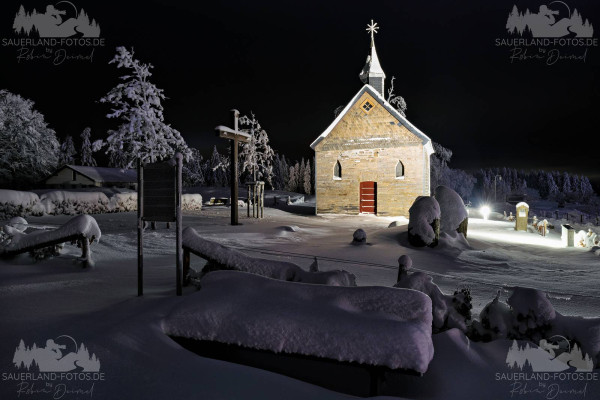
(46, 299)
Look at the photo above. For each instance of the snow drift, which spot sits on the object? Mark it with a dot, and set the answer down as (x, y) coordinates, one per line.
(368, 325)
(220, 257)
(452, 209)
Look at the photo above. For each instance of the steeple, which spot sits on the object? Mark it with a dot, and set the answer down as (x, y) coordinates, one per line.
(372, 73)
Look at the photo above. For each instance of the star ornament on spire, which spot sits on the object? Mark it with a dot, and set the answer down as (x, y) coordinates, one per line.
(372, 28)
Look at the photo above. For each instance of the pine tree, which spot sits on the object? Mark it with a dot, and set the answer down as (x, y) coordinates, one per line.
(292, 183)
(307, 178)
(137, 103)
(87, 157)
(28, 148)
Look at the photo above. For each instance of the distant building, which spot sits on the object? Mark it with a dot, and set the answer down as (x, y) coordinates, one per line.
(371, 159)
(76, 176)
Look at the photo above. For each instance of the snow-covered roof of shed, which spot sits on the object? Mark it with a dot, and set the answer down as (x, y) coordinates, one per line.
(103, 174)
(522, 204)
(402, 120)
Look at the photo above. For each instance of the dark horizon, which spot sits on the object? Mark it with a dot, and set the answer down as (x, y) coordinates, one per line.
(294, 63)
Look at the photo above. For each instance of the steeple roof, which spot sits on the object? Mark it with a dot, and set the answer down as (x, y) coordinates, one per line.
(372, 73)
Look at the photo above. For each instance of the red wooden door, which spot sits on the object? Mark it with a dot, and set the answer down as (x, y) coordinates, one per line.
(368, 197)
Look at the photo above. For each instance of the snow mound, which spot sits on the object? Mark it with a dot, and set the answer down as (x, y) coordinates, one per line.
(220, 257)
(19, 223)
(368, 325)
(452, 209)
(359, 237)
(444, 307)
(289, 228)
(532, 303)
(424, 213)
(191, 201)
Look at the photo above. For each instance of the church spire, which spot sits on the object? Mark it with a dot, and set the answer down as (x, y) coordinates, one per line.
(372, 73)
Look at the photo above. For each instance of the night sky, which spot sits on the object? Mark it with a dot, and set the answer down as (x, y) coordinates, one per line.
(293, 63)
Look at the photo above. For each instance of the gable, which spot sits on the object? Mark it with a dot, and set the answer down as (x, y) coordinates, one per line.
(379, 126)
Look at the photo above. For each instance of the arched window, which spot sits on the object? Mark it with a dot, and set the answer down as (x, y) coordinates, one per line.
(337, 170)
(399, 170)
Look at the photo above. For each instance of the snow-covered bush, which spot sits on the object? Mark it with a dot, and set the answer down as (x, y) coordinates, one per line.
(17, 203)
(447, 310)
(122, 202)
(532, 313)
(454, 216)
(424, 222)
(529, 315)
(191, 201)
(359, 237)
(73, 203)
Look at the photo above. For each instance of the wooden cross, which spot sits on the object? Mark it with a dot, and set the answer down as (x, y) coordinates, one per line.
(235, 136)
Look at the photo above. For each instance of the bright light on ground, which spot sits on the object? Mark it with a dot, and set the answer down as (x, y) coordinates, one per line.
(485, 212)
(488, 230)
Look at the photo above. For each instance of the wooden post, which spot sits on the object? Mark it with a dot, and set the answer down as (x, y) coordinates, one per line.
(186, 266)
(248, 204)
(178, 228)
(235, 136)
(140, 206)
(262, 200)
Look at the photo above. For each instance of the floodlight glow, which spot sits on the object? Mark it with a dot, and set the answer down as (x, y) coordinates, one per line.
(485, 212)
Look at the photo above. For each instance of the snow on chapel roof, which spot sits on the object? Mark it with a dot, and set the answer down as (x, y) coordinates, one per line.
(381, 100)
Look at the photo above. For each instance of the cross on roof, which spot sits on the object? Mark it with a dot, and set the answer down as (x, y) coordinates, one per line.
(372, 28)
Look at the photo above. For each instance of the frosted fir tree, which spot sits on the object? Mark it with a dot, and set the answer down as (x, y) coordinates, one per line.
(67, 151)
(137, 103)
(193, 171)
(396, 101)
(307, 178)
(257, 155)
(28, 147)
(87, 158)
(293, 178)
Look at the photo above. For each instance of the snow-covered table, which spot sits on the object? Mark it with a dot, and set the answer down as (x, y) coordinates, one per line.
(305, 330)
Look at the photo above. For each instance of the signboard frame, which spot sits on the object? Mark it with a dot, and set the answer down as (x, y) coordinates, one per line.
(159, 199)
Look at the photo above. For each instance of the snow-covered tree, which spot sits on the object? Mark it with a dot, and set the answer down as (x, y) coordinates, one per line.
(193, 174)
(439, 163)
(137, 103)
(256, 156)
(67, 151)
(397, 101)
(217, 169)
(28, 148)
(307, 178)
(292, 182)
(87, 157)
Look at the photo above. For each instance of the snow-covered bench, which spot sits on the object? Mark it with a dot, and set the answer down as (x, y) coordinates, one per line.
(82, 229)
(221, 257)
(322, 334)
